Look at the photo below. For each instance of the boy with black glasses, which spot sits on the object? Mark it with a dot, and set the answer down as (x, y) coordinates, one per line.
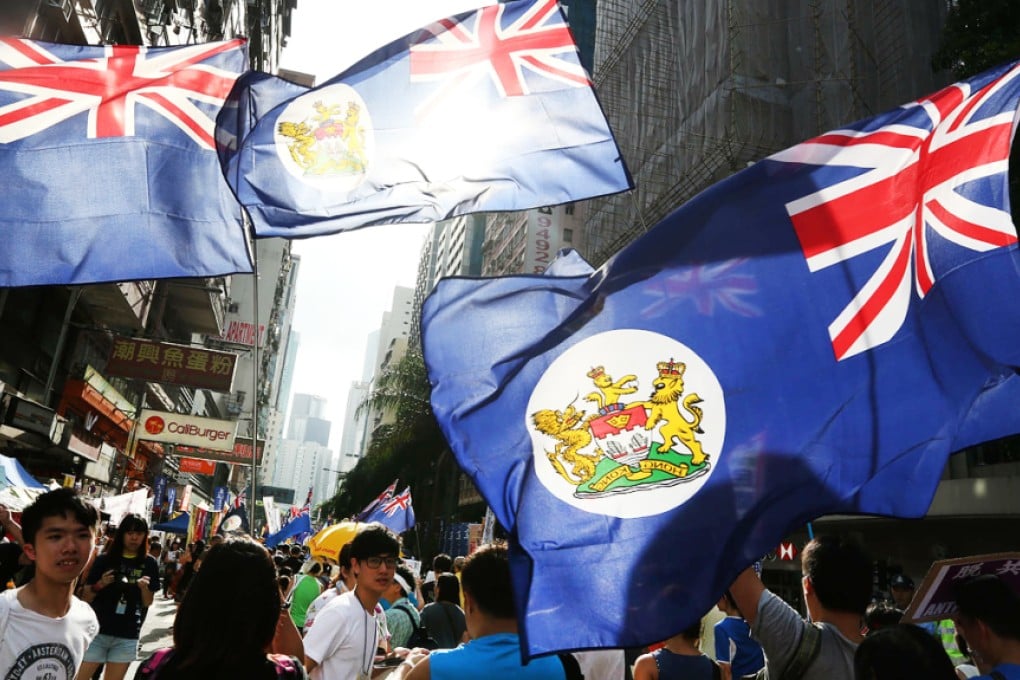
(342, 644)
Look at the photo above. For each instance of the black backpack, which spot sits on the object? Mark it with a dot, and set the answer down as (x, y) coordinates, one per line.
(419, 636)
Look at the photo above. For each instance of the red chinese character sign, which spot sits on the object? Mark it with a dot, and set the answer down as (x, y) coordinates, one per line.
(175, 364)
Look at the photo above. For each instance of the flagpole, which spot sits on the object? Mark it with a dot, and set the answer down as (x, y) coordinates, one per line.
(254, 374)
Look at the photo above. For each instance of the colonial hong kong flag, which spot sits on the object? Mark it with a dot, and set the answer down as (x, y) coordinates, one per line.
(109, 160)
(487, 110)
(815, 334)
(395, 513)
(386, 494)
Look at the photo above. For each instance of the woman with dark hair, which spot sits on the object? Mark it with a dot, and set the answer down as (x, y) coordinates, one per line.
(444, 619)
(188, 562)
(902, 651)
(226, 624)
(120, 587)
(680, 659)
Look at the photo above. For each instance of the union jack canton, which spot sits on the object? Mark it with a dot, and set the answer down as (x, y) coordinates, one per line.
(930, 182)
(110, 85)
(519, 49)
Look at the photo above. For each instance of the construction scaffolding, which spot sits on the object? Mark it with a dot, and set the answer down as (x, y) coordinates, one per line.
(695, 91)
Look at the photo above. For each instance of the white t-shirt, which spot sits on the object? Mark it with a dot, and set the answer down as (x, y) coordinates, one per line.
(37, 646)
(343, 640)
(321, 601)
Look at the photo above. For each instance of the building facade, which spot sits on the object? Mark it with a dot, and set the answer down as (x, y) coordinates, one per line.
(57, 340)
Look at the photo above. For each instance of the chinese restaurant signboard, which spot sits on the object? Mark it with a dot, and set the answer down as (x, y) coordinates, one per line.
(239, 455)
(163, 362)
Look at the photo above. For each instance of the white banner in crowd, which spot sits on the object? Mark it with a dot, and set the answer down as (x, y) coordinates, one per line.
(272, 514)
(118, 506)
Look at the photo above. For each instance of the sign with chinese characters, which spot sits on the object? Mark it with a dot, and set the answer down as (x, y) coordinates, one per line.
(176, 428)
(239, 455)
(935, 598)
(163, 362)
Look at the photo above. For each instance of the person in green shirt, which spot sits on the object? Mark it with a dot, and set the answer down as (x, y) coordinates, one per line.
(304, 592)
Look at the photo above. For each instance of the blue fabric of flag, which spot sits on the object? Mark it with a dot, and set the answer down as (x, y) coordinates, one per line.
(411, 134)
(828, 366)
(302, 524)
(110, 166)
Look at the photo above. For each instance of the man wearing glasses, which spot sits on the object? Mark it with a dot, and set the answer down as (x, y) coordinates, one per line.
(342, 644)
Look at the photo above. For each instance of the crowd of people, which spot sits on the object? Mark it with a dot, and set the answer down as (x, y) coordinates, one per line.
(72, 609)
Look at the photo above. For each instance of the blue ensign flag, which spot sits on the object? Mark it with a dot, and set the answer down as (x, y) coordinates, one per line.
(485, 111)
(815, 334)
(302, 524)
(397, 513)
(110, 166)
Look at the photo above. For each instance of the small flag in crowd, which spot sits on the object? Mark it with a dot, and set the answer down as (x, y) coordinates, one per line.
(239, 500)
(395, 513)
(302, 524)
(386, 494)
(815, 334)
(484, 111)
(138, 122)
(236, 520)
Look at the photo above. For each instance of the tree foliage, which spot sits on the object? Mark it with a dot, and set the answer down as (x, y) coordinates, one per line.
(411, 449)
(978, 35)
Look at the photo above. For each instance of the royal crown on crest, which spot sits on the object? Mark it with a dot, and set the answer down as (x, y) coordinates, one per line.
(596, 372)
(669, 368)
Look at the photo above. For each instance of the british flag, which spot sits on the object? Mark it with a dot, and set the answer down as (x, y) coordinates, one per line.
(396, 513)
(519, 49)
(926, 189)
(401, 501)
(50, 89)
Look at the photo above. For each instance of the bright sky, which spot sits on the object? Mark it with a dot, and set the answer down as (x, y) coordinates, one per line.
(346, 281)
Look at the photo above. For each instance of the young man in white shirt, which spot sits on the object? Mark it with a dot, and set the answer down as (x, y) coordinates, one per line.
(43, 627)
(343, 642)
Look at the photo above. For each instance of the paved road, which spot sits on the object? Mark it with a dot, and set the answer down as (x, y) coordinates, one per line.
(156, 631)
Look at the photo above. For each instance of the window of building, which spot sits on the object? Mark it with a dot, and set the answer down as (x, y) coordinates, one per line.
(568, 235)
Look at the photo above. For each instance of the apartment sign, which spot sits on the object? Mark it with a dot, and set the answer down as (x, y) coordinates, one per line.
(237, 332)
(162, 362)
(175, 428)
(239, 455)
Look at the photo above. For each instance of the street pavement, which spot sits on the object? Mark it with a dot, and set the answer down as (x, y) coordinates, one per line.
(157, 630)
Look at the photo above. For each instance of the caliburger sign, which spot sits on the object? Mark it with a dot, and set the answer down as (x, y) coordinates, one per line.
(174, 428)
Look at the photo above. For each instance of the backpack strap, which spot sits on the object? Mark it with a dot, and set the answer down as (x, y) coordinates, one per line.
(807, 651)
(415, 627)
(571, 669)
(150, 667)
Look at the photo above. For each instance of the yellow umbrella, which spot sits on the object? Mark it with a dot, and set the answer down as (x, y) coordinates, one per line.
(328, 542)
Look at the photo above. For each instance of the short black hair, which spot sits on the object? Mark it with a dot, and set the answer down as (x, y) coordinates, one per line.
(902, 651)
(448, 589)
(881, 615)
(374, 539)
(486, 577)
(57, 503)
(990, 599)
(442, 563)
(840, 572)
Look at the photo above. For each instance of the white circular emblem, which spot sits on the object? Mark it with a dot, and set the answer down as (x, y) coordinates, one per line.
(627, 423)
(324, 138)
